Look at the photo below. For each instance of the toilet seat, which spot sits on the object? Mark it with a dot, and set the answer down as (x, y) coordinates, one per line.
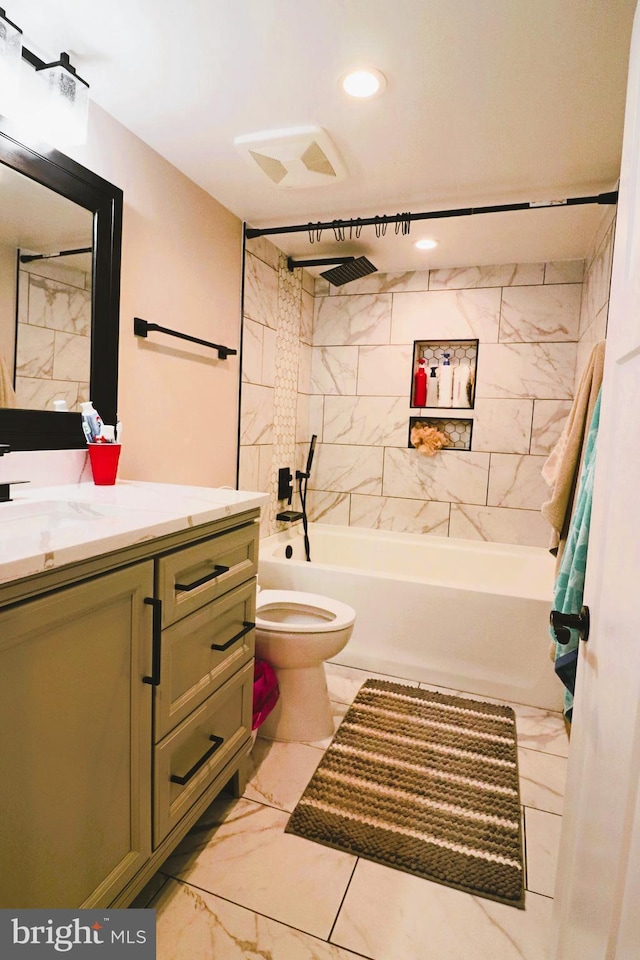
(296, 612)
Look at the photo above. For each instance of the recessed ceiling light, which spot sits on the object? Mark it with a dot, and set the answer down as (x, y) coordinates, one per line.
(364, 83)
(426, 244)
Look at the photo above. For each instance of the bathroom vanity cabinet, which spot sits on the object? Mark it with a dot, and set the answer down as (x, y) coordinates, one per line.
(126, 685)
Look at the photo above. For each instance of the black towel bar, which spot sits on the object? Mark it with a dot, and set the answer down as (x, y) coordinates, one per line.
(141, 328)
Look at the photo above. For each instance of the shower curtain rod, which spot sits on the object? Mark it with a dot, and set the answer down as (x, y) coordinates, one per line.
(405, 218)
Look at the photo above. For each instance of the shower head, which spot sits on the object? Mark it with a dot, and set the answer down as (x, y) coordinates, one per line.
(312, 448)
(348, 271)
(350, 268)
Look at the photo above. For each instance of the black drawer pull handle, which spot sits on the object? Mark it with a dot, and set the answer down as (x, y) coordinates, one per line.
(217, 570)
(156, 655)
(217, 742)
(246, 626)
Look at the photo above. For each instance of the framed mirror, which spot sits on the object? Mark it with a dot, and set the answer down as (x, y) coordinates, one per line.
(52, 202)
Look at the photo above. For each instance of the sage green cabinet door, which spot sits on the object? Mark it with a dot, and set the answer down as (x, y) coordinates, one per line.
(75, 725)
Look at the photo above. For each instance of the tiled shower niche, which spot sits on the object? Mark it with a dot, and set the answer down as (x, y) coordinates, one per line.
(457, 431)
(460, 351)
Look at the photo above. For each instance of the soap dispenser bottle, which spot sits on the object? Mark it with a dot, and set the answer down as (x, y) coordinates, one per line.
(461, 377)
(432, 387)
(445, 382)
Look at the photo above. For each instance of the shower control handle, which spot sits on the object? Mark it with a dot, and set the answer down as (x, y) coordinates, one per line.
(562, 623)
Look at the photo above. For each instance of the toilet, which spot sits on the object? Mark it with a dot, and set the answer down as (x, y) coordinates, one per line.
(296, 632)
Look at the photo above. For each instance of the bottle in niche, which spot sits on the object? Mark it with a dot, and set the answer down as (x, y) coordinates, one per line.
(461, 385)
(420, 385)
(445, 382)
(432, 387)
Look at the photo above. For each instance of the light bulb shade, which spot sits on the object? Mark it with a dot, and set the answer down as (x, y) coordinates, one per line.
(10, 66)
(63, 103)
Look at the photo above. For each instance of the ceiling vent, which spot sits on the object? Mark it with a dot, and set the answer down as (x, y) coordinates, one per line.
(295, 158)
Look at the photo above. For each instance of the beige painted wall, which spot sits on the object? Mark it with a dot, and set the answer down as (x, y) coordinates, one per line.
(181, 268)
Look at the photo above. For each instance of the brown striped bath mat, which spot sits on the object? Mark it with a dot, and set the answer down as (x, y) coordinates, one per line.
(426, 783)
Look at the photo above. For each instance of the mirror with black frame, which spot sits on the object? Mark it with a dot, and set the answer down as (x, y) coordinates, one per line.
(59, 310)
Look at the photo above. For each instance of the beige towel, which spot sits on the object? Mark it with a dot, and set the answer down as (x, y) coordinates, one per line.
(7, 393)
(562, 468)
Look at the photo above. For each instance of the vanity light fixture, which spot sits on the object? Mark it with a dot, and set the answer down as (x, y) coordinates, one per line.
(61, 100)
(364, 84)
(54, 102)
(425, 244)
(10, 65)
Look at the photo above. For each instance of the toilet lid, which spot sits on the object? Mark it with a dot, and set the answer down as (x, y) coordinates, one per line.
(298, 612)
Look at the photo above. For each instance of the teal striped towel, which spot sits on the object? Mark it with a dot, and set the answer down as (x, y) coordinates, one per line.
(569, 585)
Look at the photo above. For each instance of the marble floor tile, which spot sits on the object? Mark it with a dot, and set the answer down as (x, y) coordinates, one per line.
(542, 832)
(239, 888)
(541, 730)
(389, 915)
(239, 851)
(542, 780)
(278, 772)
(194, 925)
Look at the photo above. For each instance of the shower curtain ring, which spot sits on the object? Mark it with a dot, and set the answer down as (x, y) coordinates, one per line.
(358, 228)
(311, 236)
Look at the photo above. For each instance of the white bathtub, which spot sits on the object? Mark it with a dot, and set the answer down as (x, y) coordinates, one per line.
(457, 613)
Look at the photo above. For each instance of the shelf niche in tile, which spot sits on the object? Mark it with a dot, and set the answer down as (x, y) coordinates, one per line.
(457, 430)
(461, 352)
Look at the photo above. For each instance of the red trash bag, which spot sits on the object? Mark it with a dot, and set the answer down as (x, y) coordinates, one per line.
(265, 692)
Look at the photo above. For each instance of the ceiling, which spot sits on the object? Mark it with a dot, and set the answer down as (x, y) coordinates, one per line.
(486, 103)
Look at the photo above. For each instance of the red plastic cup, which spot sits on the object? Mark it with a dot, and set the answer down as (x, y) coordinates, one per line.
(104, 462)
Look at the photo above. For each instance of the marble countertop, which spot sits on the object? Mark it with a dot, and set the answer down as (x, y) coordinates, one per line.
(49, 527)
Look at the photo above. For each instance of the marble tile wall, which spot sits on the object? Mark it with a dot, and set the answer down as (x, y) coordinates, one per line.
(337, 362)
(527, 318)
(276, 373)
(53, 340)
(597, 281)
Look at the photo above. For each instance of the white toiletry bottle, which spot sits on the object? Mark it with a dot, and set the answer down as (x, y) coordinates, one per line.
(445, 382)
(432, 387)
(461, 375)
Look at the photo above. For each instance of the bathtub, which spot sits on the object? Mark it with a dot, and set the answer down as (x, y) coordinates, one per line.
(463, 614)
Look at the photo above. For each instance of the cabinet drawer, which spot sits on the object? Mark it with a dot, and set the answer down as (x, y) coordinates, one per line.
(190, 669)
(193, 576)
(197, 750)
